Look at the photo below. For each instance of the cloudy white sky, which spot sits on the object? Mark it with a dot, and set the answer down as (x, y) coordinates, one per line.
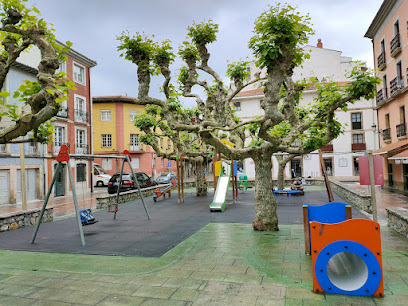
(93, 25)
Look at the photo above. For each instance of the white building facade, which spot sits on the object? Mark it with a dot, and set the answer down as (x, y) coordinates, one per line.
(359, 122)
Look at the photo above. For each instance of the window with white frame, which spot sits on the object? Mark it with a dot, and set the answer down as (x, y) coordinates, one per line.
(135, 163)
(133, 114)
(80, 109)
(134, 142)
(106, 115)
(62, 67)
(81, 147)
(79, 74)
(106, 140)
(32, 148)
(59, 138)
(237, 106)
(358, 138)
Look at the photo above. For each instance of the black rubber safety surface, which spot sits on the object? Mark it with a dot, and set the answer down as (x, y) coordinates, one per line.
(132, 234)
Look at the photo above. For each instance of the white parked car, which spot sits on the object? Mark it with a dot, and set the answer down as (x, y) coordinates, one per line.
(101, 178)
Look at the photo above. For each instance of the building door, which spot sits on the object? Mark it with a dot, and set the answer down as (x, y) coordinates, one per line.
(31, 185)
(328, 164)
(60, 182)
(390, 175)
(296, 168)
(405, 174)
(5, 189)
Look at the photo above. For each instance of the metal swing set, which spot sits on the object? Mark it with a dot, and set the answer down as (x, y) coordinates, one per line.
(64, 156)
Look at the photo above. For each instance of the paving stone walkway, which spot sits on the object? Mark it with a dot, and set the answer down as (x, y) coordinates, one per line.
(221, 264)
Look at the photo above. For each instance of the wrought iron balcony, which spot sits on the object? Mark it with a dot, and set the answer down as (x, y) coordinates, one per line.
(81, 148)
(358, 146)
(380, 96)
(327, 148)
(63, 112)
(81, 116)
(381, 63)
(386, 133)
(57, 146)
(356, 125)
(395, 45)
(401, 129)
(396, 84)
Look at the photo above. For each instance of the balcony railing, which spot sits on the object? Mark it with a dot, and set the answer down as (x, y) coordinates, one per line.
(380, 96)
(386, 133)
(396, 84)
(135, 148)
(63, 113)
(401, 129)
(356, 125)
(57, 146)
(81, 115)
(381, 61)
(395, 45)
(327, 148)
(358, 146)
(81, 148)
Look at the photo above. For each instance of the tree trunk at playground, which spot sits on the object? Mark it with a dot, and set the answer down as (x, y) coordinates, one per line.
(281, 177)
(201, 183)
(265, 201)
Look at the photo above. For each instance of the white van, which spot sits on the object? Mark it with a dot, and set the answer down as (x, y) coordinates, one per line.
(101, 178)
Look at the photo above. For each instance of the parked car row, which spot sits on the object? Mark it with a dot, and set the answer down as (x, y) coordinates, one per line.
(128, 183)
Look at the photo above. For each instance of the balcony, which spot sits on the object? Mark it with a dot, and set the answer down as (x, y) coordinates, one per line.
(356, 125)
(386, 133)
(380, 96)
(381, 63)
(395, 45)
(81, 116)
(401, 130)
(358, 146)
(327, 148)
(56, 146)
(81, 148)
(63, 112)
(395, 85)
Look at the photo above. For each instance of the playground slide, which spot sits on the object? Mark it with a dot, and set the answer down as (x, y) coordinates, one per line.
(220, 196)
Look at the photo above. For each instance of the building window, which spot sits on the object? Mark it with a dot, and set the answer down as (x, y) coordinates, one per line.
(81, 172)
(135, 162)
(105, 115)
(134, 142)
(106, 140)
(237, 106)
(356, 121)
(385, 87)
(59, 138)
(32, 148)
(358, 138)
(133, 114)
(62, 67)
(168, 144)
(81, 147)
(80, 109)
(328, 164)
(79, 74)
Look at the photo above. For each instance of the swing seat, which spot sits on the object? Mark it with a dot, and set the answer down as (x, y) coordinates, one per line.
(86, 217)
(113, 208)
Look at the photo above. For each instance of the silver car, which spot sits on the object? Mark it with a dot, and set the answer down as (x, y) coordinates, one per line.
(166, 177)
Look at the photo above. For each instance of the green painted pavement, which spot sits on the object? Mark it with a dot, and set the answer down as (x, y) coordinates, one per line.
(220, 264)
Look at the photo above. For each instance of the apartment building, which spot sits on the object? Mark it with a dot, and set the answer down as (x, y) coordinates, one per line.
(114, 132)
(388, 32)
(359, 122)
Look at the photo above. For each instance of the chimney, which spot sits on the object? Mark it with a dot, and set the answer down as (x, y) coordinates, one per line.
(319, 43)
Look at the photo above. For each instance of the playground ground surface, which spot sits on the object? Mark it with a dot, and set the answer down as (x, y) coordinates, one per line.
(184, 255)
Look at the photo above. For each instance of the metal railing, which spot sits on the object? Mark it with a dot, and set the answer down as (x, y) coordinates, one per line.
(81, 148)
(396, 84)
(81, 115)
(386, 133)
(380, 96)
(401, 129)
(63, 112)
(381, 60)
(57, 146)
(395, 44)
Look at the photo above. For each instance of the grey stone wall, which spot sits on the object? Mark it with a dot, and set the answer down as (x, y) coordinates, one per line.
(12, 221)
(398, 219)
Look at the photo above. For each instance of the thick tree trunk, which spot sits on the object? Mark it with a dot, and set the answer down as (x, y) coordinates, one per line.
(201, 184)
(265, 201)
(281, 179)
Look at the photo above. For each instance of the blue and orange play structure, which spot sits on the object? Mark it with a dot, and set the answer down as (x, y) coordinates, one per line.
(346, 253)
(158, 193)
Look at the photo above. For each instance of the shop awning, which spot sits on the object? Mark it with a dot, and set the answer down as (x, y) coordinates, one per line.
(393, 148)
(403, 155)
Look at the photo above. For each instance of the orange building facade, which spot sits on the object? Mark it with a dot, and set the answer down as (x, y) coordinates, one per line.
(389, 34)
(114, 132)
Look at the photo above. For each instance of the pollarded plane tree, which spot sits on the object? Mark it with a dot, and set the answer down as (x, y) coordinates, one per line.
(278, 34)
(21, 29)
(155, 128)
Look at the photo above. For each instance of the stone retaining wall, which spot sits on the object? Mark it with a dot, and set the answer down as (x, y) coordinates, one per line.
(14, 220)
(361, 199)
(398, 219)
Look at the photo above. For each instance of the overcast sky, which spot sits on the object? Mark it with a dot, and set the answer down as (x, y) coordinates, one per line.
(93, 25)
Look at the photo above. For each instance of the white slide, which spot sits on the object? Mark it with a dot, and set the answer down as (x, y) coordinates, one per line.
(220, 195)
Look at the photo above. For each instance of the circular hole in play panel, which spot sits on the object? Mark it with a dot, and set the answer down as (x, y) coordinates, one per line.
(347, 271)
